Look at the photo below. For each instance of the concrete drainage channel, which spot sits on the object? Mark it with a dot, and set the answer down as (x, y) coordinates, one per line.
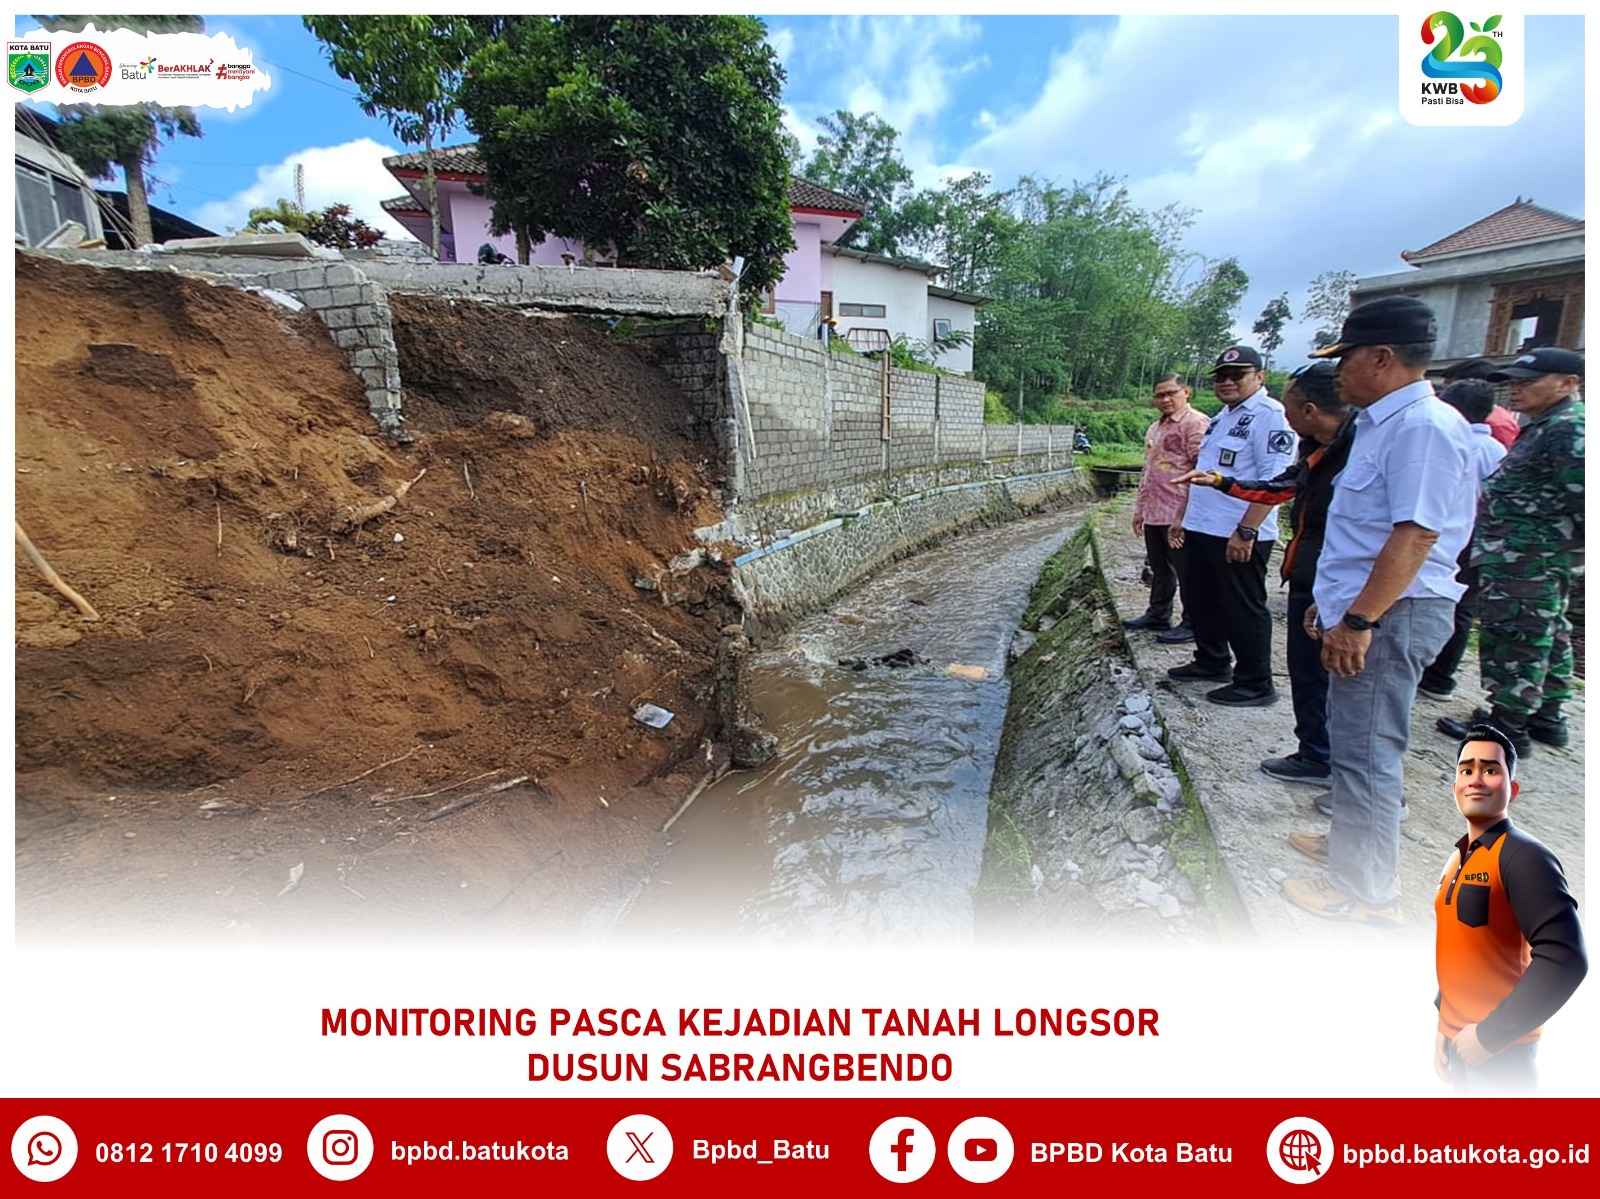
(1094, 832)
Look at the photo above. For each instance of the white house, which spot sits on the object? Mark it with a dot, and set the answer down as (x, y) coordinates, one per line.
(871, 298)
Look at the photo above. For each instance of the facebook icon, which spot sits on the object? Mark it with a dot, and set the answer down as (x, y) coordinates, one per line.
(902, 1149)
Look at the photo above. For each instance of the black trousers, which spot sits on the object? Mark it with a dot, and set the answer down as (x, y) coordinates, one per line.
(1441, 673)
(1166, 574)
(1227, 604)
(1308, 682)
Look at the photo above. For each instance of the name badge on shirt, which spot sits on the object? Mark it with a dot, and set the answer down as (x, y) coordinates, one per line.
(1228, 457)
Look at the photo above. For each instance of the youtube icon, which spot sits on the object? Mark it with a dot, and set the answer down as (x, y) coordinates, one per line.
(980, 1149)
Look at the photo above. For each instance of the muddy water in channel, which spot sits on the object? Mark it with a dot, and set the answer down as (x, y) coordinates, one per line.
(868, 827)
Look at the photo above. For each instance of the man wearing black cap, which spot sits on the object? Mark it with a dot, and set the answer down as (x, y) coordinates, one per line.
(1385, 596)
(1527, 548)
(1227, 541)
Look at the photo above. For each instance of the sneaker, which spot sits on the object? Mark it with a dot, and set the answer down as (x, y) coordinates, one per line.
(1321, 898)
(1235, 696)
(1435, 689)
(1297, 769)
(1324, 804)
(1181, 635)
(1313, 845)
(1550, 732)
(1145, 622)
(1189, 672)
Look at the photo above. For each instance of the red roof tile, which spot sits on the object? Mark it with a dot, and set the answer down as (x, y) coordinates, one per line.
(1519, 221)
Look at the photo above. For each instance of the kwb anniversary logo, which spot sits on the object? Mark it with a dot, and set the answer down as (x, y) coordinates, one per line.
(1461, 72)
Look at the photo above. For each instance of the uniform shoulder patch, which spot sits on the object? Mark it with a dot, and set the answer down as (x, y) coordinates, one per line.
(1280, 442)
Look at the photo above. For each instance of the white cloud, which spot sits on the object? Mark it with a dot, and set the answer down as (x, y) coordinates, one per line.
(1296, 164)
(904, 68)
(351, 173)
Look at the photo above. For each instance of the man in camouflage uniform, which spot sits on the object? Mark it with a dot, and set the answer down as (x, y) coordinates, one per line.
(1528, 549)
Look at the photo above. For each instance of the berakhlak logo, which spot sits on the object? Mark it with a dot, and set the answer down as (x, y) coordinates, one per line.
(1461, 71)
(1475, 69)
(83, 67)
(902, 1149)
(1300, 1150)
(28, 65)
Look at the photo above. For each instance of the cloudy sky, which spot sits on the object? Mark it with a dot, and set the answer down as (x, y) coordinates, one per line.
(1283, 133)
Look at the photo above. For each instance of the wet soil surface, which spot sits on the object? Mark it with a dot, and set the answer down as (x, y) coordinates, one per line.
(270, 689)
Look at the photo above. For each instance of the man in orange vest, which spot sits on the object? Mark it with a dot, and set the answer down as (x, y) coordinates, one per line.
(1508, 946)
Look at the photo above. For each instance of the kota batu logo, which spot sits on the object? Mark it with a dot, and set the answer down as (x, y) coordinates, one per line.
(1461, 69)
(28, 65)
(1472, 76)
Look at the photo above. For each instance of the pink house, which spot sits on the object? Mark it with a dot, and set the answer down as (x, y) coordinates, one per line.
(886, 297)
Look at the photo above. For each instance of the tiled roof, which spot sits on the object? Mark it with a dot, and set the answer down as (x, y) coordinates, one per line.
(805, 194)
(401, 204)
(464, 160)
(458, 160)
(1520, 221)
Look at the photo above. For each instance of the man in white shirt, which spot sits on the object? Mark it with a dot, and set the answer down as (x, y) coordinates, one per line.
(1385, 596)
(1227, 541)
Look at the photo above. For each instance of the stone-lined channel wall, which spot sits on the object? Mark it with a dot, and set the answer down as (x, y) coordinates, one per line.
(1094, 831)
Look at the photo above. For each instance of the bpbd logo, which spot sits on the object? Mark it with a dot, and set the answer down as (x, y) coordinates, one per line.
(1460, 69)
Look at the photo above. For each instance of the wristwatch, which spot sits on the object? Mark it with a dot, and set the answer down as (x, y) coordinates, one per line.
(1354, 620)
(1246, 533)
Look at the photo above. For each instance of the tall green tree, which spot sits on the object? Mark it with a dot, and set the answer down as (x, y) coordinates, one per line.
(1269, 326)
(104, 138)
(859, 154)
(409, 69)
(1327, 303)
(659, 136)
(1209, 309)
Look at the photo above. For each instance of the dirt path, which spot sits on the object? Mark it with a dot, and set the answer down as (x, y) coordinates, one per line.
(1252, 815)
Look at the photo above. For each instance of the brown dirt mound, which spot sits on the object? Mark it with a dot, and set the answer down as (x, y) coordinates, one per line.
(182, 449)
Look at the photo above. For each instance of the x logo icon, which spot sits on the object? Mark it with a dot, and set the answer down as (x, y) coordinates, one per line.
(638, 1148)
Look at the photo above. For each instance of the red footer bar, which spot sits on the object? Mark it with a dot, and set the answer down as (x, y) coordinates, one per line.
(778, 1147)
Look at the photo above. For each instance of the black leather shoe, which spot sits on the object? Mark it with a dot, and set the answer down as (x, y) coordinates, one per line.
(1145, 622)
(1519, 733)
(1189, 673)
(1551, 732)
(1176, 636)
(1233, 696)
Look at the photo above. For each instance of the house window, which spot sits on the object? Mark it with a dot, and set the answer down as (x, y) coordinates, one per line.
(870, 310)
(867, 340)
(1533, 324)
(44, 201)
(941, 330)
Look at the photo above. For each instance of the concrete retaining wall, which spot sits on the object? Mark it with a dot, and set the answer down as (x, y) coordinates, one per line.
(803, 572)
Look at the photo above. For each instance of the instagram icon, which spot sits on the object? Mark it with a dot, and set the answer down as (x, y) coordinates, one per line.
(340, 1147)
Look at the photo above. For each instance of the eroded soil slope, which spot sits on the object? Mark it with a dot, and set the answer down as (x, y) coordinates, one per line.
(183, 454)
